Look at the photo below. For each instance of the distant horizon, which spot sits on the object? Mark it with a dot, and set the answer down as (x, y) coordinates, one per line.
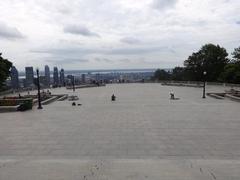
(95, 70)
(91, 69)
(22, 73)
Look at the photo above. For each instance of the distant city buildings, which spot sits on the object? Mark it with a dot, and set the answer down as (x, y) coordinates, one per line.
(47, 76)
(66, 78)
(62, 77)
(55, 76)
(14, 78)
(29, 74)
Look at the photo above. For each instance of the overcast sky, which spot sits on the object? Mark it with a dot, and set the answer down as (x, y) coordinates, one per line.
(113, 34)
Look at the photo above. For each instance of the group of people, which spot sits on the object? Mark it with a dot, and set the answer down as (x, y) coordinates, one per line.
(172, 96)
(113, 98)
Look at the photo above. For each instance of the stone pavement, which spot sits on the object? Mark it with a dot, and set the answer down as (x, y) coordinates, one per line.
(119, 169)
(143, 135)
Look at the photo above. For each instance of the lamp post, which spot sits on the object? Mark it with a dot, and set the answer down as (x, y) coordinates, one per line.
(38, 86)
(204, 83)
(73, 83)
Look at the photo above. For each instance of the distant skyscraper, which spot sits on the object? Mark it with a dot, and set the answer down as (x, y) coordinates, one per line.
(47, 76)
(29, 76)
(55, 76)
(62, 77)
(97, 77)
(83, 78)
(14, 78)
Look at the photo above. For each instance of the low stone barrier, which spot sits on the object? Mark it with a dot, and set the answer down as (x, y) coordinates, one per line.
(182, 85)
(48, 101)
(21, 104)
(198, 83)
(63, 97)
(235, 98)
(9, 108)
(85, 86)
(215, 95)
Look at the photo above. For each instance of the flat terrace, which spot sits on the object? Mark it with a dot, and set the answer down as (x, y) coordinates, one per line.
(143, 135)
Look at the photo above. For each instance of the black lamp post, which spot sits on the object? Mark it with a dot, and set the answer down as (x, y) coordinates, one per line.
(73, 83)
(204, 83)
(38, 86)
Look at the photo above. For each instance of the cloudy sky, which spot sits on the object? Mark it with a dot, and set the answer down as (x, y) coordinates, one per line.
(113, 34)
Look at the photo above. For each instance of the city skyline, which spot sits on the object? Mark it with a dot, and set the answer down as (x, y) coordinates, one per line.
(118, 34)
(62, 78)
(85, 71)
(17, 80)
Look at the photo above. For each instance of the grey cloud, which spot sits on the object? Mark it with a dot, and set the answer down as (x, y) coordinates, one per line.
(238, 22)
(103, 60)
(113, 51)
(67, 60)
(79, 30)
(163, 4)
(8, 32)
(135, 51)
(111, 61)
(125, 60)
(130, 40)
(63, 51)
(64, 10)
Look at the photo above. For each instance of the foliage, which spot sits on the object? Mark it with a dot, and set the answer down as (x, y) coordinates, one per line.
(210, 58)
(231, 73)
(161, 74)
(5, 66)
(236, 55)
(179, 74)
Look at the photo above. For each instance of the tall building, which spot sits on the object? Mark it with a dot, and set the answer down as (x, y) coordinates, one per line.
(29, 81)
(83, 79)
(70, 80)
(14, 78)
(47, 76)
(62, 77)
(55, 76)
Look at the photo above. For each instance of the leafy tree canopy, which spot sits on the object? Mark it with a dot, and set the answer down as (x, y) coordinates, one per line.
(179, 74)
(161, 74)
(236, 55)
(231, 73)
(5, 67)
(210, 58)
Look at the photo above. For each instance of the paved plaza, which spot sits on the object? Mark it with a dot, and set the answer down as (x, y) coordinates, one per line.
(143, 135)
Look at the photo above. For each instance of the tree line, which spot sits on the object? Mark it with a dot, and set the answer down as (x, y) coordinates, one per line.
(212, 59)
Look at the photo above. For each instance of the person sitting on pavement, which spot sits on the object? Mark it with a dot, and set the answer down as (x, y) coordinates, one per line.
(113, 97)
(172, 95)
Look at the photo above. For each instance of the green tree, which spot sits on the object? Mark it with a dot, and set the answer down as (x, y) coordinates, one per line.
(178, 74)
(5, 67)
(210, 58)
(161, 74)
(231, 73)
(236, 55)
